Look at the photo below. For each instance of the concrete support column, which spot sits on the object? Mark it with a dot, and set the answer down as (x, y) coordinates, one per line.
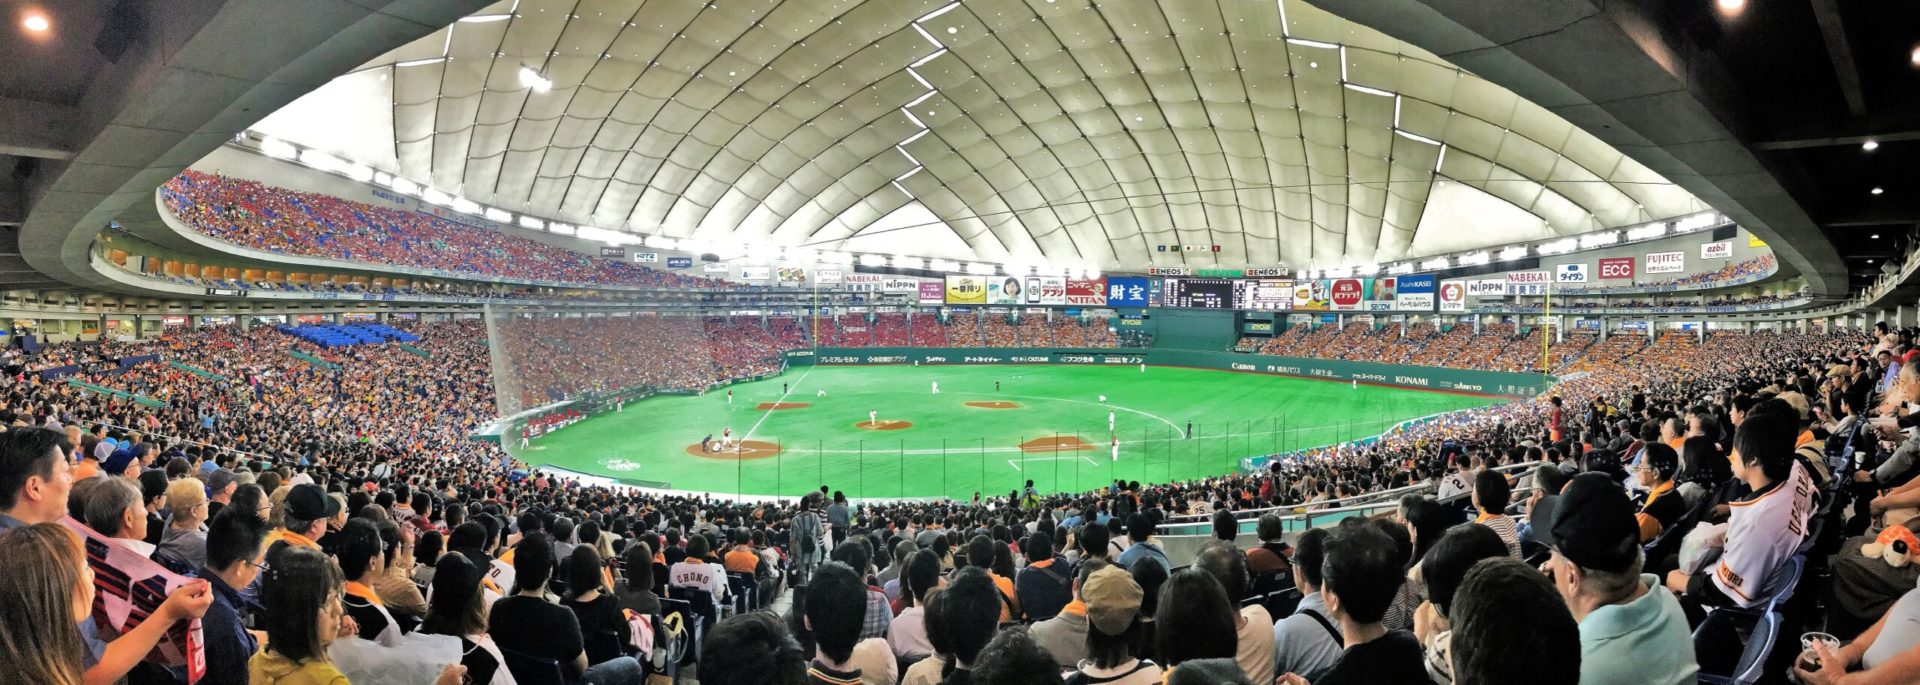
(1904, 316)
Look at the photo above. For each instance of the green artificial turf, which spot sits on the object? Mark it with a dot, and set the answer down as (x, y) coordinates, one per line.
(955, 450)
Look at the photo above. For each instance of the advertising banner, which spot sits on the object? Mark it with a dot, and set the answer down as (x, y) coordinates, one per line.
(966, 290)
(1005, 290)
(1415, 292)
(614, 252)
(1168, 271)
(756, 273)
(1453, 296)
(1570, 273)
(679, 262)
(1616, 268)
(646, 257)
(1666, 262)
(1719, 250)
(714, 268)
(1347, 294)
(862, 283)
(1126, 291)
(1487, 287)
(1527, 282)
(1311, 296)
(829, 276)
(1047, 290)
(791, 275)
(900, 285)
(933, 292)
(1087, 292)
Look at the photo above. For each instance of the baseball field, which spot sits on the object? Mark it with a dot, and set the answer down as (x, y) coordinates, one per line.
(880, 431)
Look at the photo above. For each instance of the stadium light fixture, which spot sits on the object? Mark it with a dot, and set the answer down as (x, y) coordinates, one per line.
(1870, 145)
(36, 22)
(872, 260)
(383, 178)
(1877, 190)
(279, 149)
(498, 214)
(404, 186)
(1367, 269)
(530, 78)
(1588, 242)
(1475, 259)
(1561, 246)
(531, 222)
(979, 269)
(465, 206)
(1400, 269)
(436, 196)
(359, 172)
(1436, 264)
(1647, 232)
(1696, 222)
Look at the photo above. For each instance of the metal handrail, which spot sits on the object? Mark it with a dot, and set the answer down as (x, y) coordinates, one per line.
(1295, 522)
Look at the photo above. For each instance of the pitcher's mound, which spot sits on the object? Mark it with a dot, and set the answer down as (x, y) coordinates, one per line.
(764, 406)
(747, 449)
(994, 405)
(884, 425)
(1057, 443)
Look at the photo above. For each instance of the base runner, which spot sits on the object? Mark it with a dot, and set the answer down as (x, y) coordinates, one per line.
(1116, 448)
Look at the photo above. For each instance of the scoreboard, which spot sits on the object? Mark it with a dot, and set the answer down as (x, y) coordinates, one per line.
(1200, 293)
(1263, 294)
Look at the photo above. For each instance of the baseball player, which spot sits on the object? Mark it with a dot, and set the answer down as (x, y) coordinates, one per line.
(936, 387)
(873, 418)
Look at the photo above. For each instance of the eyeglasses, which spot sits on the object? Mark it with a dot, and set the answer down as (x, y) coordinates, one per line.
(262, 566)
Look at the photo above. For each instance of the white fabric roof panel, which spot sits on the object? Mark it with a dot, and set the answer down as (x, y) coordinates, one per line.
(1071, 132)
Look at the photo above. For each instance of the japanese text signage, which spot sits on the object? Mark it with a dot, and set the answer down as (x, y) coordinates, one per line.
(1666, 262)
(1126, 291)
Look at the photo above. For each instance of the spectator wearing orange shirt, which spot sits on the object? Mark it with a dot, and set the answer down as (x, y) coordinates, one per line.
(741, 558)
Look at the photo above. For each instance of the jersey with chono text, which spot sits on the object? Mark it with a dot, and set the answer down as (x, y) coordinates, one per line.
(1763, 530)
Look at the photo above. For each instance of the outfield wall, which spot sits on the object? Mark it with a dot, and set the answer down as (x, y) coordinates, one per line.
(1491, 383)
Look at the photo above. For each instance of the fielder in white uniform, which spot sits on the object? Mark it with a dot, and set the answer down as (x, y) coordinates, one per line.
(1109, 422)
(936, 387)
(1143, 367)
(1116, 448)
(873, 418)
(1103, 399)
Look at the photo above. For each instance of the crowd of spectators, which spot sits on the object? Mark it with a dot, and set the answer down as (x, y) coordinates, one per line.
(963, 330)
(358, 536)
(283, 221)
(998, 332)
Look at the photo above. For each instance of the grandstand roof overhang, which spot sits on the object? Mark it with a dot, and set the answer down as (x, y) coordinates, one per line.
(1068, 133)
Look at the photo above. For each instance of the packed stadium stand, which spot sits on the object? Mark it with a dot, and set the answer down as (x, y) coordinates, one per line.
(337, 333)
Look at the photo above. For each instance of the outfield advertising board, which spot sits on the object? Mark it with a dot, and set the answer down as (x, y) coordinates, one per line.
(829, 276)
(756, 273)
(1570, 273)
(1414, 292)
(1486, 287)
(1616, 268)
(1087, 291)
(1127, 291)
(1453, 296)
(1349, 294)
(679, 262)
(1045, 290)
(1719, 250)
(1666, 262)
(1527, 282)
(1311, 296)
(1496, 383)
(933, 292)
(966, 289)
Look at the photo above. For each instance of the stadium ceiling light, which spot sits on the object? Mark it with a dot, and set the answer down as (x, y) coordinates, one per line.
(279, 149)
(533, 223)
(1877, 190)
(532, 79)
(1436, 263)
(465, 206)
(1475, 259)
(485, 18)
(1399, 269)
(1513, 253)
(872, 260)
(404, 186)
(1646, 232)
(36, 22)
(498, 214)
(1367, 90)
(1696, 222)
(1731, 6)
(1561, 246)
(420, 62)
(1313, 43)
(1367, 269)
(1416, 137)
(436, 196)
(1599, 240)
(1870, 145)
(1875, 236)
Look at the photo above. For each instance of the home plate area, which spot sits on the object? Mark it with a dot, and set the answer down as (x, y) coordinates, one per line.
(747, 449)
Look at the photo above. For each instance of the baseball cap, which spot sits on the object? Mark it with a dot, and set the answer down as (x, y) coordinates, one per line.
(310, 502)
(219, 481)
(1112, 599)
(117, 461)
(1591, 522)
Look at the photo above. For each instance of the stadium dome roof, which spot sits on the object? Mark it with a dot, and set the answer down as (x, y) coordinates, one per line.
(1067, 132)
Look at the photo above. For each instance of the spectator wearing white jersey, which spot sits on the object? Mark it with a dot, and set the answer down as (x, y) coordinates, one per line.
(1765, 527)
(697, 573)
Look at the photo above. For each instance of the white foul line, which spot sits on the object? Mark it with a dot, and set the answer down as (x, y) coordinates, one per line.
(776, 405)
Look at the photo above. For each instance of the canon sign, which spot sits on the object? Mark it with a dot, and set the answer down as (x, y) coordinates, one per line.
(1616, 267)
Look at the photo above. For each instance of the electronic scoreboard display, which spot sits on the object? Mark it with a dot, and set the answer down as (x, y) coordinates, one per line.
(1199, 293)
(1263, 294)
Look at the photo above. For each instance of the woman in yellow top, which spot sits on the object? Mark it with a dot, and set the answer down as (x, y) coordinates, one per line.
(300, 592)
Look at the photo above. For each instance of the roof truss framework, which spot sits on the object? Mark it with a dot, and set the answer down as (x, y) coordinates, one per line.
(1070, 132)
